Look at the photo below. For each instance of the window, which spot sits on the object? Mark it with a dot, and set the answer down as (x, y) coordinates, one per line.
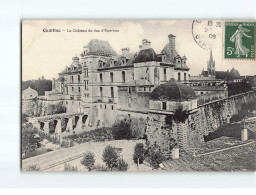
(112, 107)
(111, 77)
(178, 76)
(165, 74)
(100, 106)
(79, 90)
(112, 91)
(105, 107)
(86, 85)
(185, 76)
(78, 78)
(72, 89)
(101, 77)
(101, 92)
(129, 102)
(164, 105)
(72, 79)
(145, 89)
(66, 90)
(202, 92)
(149, 88)
(129, 90)
(123, 76)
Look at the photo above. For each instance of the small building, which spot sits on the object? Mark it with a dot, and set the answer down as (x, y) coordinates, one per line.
(29, 101)
(171, 104)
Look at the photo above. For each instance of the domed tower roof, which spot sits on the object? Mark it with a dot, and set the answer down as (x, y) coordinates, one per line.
(29, 93)
(234, 73)
(173, 91)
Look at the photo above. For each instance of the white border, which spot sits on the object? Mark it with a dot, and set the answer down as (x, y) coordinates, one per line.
(11, 14)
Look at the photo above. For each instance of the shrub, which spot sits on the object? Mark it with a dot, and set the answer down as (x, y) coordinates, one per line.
(24, 118)
(138, 153)
(180, 115)
(122, 130)
(110, 157)
(33, 168)
(154, 157)
(65, 143)
(88, 161)
(122, 165)
(68, 167)
(100, 168)
(31, 139)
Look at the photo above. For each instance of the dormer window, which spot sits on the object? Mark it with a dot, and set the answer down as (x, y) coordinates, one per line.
(123, 61)
(164, 106)
(112, 62)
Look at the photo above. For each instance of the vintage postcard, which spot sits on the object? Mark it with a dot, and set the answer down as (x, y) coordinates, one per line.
(138, 95)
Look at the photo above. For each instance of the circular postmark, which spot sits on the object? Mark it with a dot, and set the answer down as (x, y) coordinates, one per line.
(207, 33)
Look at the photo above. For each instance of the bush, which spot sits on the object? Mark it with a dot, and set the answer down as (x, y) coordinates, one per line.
(65, 143)
(88, 161)
(31, 139)
(68, 167)
(110, 157)
(138, 153)
(121, 165)
(180, 115)
(122, 130)
(100, 168)
(154, 157)
(33, 168)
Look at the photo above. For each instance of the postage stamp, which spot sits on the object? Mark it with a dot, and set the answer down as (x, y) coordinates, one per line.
(239, 40)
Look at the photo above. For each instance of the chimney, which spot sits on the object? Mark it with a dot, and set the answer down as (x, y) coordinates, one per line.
(75, 59)
(146, 44)
(172, 41)
(53, 83)
(125, 51)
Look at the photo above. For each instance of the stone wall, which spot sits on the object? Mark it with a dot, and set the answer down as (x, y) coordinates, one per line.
(200, 122)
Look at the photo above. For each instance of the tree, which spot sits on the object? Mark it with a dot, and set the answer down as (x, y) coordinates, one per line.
(154, 157)
(110, 157)
(138, 155)
(31, 138)
(88, 160)
(122, 165)
(180, 115)
(33, 168)
(122, 130)
(24, 118)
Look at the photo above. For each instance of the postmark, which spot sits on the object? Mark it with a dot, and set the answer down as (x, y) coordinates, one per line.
(207, 33)
(239, 40)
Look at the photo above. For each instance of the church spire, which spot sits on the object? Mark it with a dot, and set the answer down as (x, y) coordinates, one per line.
(211, 58)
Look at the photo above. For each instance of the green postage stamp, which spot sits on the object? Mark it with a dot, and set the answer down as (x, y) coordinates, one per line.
(239, 40)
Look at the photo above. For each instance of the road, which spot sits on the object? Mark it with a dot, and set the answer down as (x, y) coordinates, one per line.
(55, 160)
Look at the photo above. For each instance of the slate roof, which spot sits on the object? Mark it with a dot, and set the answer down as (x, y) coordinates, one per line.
(130, 57)
(146, 55)
(171, 55)
(100, 47)
(173, 91)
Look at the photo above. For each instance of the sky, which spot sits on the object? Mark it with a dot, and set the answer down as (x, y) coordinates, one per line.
(48, 53)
